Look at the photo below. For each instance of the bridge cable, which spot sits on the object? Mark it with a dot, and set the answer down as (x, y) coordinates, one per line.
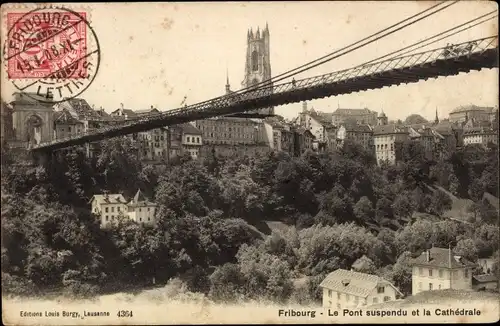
(324, 60)
(434, 36)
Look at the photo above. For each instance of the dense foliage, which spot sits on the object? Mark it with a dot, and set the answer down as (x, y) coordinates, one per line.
(212, 213)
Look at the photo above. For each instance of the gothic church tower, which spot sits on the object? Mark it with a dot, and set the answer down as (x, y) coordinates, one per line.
(258, 63)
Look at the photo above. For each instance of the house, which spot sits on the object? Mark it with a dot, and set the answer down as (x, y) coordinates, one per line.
(359, 134)
(141, 210)
(387, 142)
(440, 268)
(349, 289)
(486, 264)
(484, 282)
(110, 206)
(320, 125)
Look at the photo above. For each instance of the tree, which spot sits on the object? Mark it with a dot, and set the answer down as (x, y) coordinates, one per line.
(363, 209)
(402, 206)
(467, 249)
(440, 202)
(413, 119)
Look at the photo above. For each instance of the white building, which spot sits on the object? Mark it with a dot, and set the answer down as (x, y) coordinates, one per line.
(439, 268)
(350, 289)
(141, 210)
(109, 206)
(387, 141)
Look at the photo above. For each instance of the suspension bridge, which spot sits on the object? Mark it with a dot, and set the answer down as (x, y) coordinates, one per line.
(481, 54)
(389, 70)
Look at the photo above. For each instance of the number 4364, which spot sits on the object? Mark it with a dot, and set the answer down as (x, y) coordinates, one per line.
(125, 313)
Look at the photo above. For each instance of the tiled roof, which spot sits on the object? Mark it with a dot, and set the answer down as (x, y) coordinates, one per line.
(352, 111)
(82, 108)
(441, 257)
(109, 199)
(472, 107)
(357, 128)
(140, 200)
(389, 129)
(65, 117)
(351, 282)
(485, 278)
(322, 117)
(188, 128)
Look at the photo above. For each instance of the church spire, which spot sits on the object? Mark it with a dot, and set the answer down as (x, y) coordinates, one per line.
(436, 120)
(228, 86)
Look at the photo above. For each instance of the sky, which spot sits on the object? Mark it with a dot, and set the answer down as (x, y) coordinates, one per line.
(157, 53)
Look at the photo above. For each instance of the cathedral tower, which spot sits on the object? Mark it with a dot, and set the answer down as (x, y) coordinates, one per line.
(258, 63)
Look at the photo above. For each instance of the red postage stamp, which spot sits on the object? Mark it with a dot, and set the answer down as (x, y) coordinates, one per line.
(46, 45)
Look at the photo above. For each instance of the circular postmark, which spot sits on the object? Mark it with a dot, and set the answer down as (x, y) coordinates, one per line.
(51, 54)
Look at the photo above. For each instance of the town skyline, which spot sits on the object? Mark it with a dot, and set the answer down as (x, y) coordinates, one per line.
(205, 77)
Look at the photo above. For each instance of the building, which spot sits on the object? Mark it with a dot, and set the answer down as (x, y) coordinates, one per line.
(258, 63)
(320, 125)
(110, 206)
(191, 140)
(486, 264)
(440, 268)
(349, 289)
(388, 141)
(141, 210)
(485, 282)
(283, 136)
(6, 126)
(354, 116)
(303, 141)
(32, 120)
(480, 135)
(359, 134)
(152, 145)
(467, 112)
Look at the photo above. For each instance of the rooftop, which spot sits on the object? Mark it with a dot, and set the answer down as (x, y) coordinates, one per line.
(109, 199)
(389, 129)
(441, 257)
(351, 282)
(472, 107)
(188, 128)
(353, 111)
(485, 278)
(140, 200)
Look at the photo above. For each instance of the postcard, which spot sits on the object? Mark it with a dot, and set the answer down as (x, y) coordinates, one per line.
(249, 162)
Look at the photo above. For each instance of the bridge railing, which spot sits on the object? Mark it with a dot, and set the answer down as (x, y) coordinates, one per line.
(454, 51)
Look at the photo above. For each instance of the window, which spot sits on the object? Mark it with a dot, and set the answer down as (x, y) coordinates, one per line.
(430, 272)
(329, 293)
(387, 298)
(106, 209)
(118, 209)
(107, 217)
(140, 219)
(255, 61)
(148, 209)
(187, 139)
(430, 286)
(139, 209)
(380, 289)
(440, 273)
(112, 209)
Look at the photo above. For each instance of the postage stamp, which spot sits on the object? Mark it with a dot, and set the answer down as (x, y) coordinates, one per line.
(300, 162)
(51, 52)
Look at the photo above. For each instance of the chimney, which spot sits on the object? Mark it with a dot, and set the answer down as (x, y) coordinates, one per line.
(428, 254)
(346, 282)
